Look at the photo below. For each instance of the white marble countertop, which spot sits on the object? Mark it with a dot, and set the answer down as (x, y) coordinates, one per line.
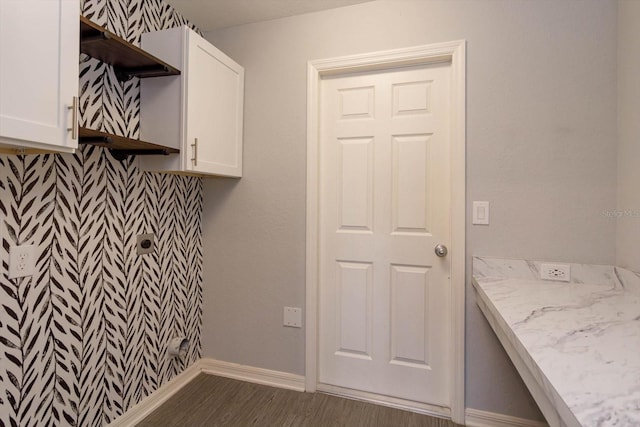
(576, 344)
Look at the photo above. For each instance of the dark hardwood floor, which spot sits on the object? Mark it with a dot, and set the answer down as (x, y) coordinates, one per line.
(209, 401)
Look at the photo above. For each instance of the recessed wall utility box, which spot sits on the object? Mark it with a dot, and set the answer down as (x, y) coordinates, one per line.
(145, 243)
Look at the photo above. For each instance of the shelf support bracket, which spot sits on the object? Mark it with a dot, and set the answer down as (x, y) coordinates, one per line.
(95, 140)
(124, 74)
(123, 154)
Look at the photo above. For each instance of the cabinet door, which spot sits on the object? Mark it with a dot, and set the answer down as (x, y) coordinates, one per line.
(214, 100)
(38, 73)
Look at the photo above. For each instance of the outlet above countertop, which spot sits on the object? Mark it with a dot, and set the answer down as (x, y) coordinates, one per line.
(576, 344)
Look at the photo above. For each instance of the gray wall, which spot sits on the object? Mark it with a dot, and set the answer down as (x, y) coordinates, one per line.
(628, 215)
(541, 131)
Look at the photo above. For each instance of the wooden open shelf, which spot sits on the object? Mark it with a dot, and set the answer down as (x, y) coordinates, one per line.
(121, 146)
(127, 59)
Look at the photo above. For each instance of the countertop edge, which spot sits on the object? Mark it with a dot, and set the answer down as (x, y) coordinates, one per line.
(553, 407)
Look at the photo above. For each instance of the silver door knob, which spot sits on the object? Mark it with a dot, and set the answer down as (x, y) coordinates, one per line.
(441, 250)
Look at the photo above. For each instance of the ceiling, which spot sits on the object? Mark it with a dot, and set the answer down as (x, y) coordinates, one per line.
(210, 15)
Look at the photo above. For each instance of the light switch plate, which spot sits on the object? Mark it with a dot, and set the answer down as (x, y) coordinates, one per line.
(481, 213)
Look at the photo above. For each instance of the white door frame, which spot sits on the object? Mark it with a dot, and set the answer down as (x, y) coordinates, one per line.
(453, 52)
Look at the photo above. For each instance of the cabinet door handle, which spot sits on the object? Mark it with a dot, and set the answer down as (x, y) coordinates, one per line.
(194, 159)
(74, 118)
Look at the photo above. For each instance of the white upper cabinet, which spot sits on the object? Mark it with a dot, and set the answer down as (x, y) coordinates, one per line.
(200, 112)
(39, 49)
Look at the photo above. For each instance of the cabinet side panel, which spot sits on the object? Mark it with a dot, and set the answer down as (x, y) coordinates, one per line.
(167, 45)
(161, 99)
(160, 112)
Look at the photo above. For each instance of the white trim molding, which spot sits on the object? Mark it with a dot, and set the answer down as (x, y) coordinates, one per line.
(454, 53)
(253, 374)
(392, 402)
(477, 418)
(146, 406)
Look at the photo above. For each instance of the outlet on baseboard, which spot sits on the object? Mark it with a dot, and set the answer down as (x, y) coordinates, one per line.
(557, 272)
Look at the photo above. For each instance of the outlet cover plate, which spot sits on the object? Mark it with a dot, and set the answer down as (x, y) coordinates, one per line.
(145, 243)
(293, 317)
(22, 261)
(557, 272)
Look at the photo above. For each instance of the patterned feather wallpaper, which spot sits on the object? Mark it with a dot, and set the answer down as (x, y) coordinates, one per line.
(83, 339)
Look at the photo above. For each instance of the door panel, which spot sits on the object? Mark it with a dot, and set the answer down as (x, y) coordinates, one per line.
(410, 198)
(384, 323)
(356, 184)
(356, 103)
(409, 320)
(354, 282)
(214, 110)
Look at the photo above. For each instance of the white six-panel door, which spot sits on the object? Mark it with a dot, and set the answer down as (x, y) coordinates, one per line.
(384, 308)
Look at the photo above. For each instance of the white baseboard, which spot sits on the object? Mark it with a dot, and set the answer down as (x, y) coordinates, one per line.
(268, 377)
(380, 399)
(146, 406)
(253, 374)
(477, 418)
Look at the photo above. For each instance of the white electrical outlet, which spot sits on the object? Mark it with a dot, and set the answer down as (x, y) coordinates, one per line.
(558, 272)
(293, 317)
(22, 260)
